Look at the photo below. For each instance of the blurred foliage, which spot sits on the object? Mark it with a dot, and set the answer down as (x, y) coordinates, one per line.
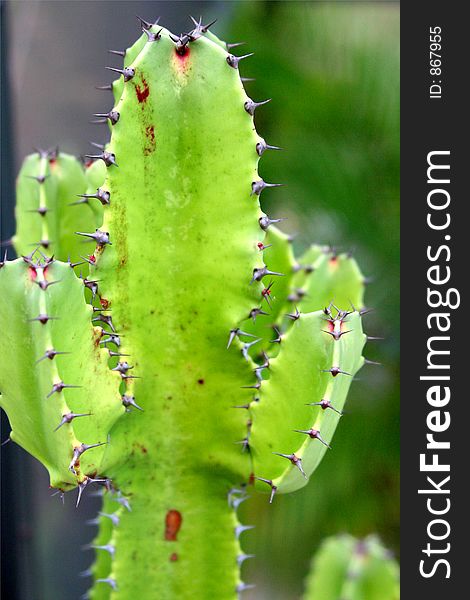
(332, 70)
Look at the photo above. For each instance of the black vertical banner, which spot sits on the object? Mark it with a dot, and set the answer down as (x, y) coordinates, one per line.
(435, 167)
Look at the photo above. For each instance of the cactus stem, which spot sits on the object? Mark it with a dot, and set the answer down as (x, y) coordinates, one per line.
(258, 186)
(234, 61)
(295, 460)
(69, 417)
(250, 105)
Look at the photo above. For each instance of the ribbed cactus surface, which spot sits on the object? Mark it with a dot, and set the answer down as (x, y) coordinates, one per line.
(207, 360)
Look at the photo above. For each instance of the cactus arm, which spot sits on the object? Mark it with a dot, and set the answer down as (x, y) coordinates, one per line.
(34, 407)
(348, 569)
(47, 184)
(296, 379)
(333, 278)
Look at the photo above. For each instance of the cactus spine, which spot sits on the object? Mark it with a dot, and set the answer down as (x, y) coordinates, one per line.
(207, 389)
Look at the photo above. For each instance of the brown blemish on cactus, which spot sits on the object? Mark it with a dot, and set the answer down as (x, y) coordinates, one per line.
(173, 557)
(143, 92)
(150, 135)
(200, 381)
(173, 522)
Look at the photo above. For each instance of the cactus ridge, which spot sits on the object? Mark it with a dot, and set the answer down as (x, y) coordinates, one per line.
(228, 319)
(46, 186)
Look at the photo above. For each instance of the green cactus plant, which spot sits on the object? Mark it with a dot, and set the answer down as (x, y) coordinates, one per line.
(209, 362)
(345, 568)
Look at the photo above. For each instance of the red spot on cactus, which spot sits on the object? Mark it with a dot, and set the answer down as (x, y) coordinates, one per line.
(173, 522)
(92, 258)
(32, 273)
(104, 303)
(183, 53)
(173, 557)
(142, 92)
(200, 381)
(53, 162)
(88, 163)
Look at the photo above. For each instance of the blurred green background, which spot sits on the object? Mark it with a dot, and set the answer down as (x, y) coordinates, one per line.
(332, 70)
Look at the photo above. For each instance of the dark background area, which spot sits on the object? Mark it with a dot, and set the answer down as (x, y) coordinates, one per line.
(332, 70)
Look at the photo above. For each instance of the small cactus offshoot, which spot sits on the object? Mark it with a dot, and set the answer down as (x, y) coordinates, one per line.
(345, 568)
(162, 340)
